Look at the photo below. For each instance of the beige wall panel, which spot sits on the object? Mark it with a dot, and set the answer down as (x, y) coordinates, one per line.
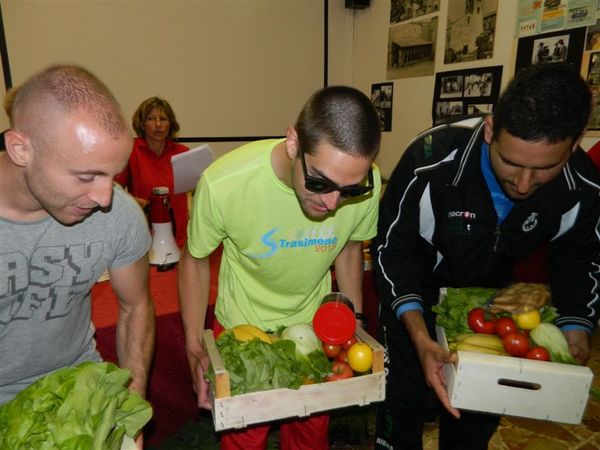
(228, 67)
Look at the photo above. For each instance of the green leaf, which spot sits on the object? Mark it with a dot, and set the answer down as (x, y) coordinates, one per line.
(452, 312)
(75, 408)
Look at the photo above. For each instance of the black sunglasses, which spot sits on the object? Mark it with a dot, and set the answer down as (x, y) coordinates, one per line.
(324, 186)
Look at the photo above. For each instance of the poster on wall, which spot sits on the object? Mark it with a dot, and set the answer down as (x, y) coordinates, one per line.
(470, 31)
(593, 81)
(411, 49)
(592, 37)
(581, 13)
(529, 17)
(537, 16)
(553, 15)
(559, 46)
(402, 10)
(465, 93)
(382, 98)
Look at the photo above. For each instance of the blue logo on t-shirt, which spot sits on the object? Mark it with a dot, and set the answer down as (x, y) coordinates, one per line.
(268, 240)
(321, 239)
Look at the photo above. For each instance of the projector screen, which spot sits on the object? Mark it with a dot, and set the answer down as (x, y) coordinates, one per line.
(229, 68)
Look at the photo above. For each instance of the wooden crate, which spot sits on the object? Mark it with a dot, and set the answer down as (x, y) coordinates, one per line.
(239, 411)
(516, 386)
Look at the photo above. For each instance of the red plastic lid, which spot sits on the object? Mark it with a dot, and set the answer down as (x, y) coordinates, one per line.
(334, 323)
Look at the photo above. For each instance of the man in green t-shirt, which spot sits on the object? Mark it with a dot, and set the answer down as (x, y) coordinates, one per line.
(285, 211)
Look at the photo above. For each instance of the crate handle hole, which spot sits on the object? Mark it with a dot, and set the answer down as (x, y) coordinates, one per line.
(520, 384)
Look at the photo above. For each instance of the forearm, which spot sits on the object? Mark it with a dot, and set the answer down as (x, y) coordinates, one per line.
(415, 325)
(135, 336)
(194, 289)
(349, 273)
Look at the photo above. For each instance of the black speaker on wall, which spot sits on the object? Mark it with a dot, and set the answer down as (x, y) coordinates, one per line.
(357, 4)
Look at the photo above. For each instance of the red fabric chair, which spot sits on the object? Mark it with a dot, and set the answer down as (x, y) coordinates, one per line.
(594, 154)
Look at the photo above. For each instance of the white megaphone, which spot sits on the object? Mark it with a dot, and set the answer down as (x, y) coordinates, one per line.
(164, 252)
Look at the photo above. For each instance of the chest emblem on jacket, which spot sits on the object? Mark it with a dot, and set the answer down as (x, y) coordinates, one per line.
(530, 223)
(460, 222)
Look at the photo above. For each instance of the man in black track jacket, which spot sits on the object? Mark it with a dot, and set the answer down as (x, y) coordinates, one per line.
(465, 202)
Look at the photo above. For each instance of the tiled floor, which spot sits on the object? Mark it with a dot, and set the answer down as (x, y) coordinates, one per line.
(525, 434)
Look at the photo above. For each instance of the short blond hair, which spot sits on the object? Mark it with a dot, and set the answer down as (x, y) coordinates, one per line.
(143, 111)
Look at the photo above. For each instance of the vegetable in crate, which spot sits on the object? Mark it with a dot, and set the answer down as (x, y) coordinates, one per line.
(255, 365)
(309, 351)
(549, 336)
(481, 321)
(452, 312)
(75, 408)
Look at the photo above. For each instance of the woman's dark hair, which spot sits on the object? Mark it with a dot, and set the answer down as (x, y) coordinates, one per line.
(144, 110)
(342, 116)
(548, 101)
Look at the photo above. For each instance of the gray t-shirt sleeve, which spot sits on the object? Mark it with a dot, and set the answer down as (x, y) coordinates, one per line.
(131, 231)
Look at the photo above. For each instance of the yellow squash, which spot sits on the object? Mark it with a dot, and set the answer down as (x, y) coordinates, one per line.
(247, 332)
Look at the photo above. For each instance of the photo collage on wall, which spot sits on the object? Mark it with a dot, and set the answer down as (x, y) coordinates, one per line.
(465, 92)
(566, 31)
(382, 99)
(590, 68)
(548, 31)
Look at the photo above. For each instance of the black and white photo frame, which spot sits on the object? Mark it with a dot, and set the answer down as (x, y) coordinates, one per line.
(559, 46)
(465, 92)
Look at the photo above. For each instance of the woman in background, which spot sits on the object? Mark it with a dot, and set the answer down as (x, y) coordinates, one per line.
(149, 165)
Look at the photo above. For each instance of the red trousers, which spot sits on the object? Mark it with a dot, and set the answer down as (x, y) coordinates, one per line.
(309, 433)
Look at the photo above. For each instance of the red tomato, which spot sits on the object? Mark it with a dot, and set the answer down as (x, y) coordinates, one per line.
(505, 325)
(342, 356)
(540, 353)
(346, 345)
(340, 371)
(480, 321)
(515, 343)
(331, 350)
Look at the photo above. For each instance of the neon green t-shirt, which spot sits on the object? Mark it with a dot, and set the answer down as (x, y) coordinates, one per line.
(275, 264)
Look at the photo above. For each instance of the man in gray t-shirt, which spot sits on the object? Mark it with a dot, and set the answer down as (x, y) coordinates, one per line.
(62, 223)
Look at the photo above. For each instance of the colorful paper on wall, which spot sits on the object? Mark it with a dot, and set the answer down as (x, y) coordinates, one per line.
(529, 17)
(554, 15)
(581, 13)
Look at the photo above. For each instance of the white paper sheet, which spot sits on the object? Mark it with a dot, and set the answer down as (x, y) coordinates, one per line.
(188, 166)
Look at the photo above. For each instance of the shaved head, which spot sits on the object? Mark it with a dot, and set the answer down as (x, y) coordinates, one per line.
(63, 90)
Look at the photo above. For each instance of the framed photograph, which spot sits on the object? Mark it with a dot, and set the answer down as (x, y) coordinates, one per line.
(402, 10)
(411, 49)
(465, 92)
(592, 38)
(593, 81)
(445, 111)
(479, 108)
(550, 49)
(593, 74)
(452, 86)
(559, 46)
(382, 99)
(470, 30)
(478, 84)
